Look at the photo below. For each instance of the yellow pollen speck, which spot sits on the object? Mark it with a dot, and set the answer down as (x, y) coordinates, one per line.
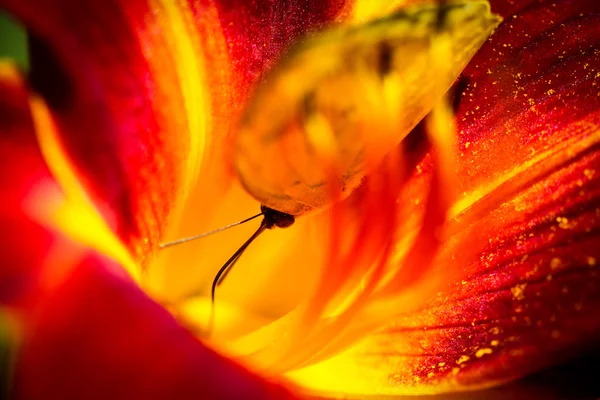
(441, 364)
(430, 375)
(589, 173)
(467, 145)
(550, 92)
(482, 352)
(494, 343)
(591, 261)
(495, 330)
(518, 291)
(564, 223)
(463, 359)
(555, 263)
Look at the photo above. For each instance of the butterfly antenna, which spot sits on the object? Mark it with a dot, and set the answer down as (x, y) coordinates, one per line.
(232, 260)
(189, 239)
(225, 270)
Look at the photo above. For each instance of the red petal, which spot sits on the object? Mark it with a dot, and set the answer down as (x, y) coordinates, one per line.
(22, 169)
(531, 298)
(98, 336)
(532, 292)
(535, 76)
(111, 78)
(118, 88)
(258, 31)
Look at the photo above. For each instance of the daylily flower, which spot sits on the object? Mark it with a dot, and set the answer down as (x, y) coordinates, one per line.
(119, 139)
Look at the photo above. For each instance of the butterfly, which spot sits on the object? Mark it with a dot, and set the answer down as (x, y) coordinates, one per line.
(341, 99)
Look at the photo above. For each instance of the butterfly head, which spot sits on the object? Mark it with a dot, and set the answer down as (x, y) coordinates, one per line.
(274, 218)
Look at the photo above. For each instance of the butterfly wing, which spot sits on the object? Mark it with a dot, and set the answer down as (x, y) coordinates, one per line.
(340, 100)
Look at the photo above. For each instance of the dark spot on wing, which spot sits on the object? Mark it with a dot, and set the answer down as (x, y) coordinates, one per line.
(309, 105)
(384, 62)
(442, 14)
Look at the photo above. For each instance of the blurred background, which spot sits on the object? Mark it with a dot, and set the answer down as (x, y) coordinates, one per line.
(13, 40)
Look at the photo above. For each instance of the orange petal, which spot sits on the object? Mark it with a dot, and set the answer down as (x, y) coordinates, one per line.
(518, 287)
(531, 300)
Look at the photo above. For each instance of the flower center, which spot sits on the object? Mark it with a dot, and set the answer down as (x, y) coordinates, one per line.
(318, 135)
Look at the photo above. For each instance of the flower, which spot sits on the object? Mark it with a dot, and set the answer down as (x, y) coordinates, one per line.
(121, 118)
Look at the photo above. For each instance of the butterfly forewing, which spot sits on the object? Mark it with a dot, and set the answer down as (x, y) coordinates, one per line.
(345, 97)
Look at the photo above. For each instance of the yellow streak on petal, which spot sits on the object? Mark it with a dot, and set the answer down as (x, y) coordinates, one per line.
(8, 70)
(350, 374)
(229, 320)
(75, 215)
(196, 48)
(178, 29)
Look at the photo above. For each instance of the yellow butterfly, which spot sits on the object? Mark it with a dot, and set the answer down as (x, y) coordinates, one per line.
(343, 98)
